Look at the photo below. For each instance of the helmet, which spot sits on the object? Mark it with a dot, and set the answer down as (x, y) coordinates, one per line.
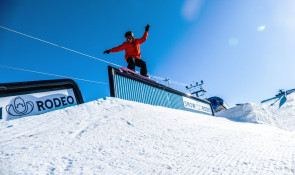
(129, 33)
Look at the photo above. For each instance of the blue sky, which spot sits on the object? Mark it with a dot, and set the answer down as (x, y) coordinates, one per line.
(243, 50)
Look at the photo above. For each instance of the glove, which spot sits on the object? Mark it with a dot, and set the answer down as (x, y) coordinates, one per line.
(147, 27)
(106, 52)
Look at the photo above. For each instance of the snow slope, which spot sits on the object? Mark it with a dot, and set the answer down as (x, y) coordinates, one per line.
(266, 113)
(250, 112)
(285, 114)
(113, 136)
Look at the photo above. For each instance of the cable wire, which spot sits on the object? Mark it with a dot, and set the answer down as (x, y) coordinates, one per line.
(60, 46)
(52, 74)
(156, 77)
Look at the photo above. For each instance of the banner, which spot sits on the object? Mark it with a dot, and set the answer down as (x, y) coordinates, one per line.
(13, 107)
(196, 105)
(18, 106)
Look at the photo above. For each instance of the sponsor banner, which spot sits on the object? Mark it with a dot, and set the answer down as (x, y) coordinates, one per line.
(12, 107)
(196, 105)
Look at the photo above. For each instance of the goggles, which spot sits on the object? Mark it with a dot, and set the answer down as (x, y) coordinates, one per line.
(129, 38)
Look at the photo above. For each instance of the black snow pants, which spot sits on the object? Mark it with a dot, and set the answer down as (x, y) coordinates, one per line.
(132, 62)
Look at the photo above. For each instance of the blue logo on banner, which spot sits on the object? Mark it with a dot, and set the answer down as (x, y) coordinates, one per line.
(20, 107)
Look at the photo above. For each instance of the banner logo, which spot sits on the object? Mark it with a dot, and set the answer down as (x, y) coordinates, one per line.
(20, 107)
(196, 105)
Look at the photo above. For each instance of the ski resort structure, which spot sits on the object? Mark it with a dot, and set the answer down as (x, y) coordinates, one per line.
(130, 87)
(22, 99)
(280, 98)
(218, 104)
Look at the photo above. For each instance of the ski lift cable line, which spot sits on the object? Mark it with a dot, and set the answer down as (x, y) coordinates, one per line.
(62, 76)
(170, 81)
(156, 77)
(181, 84)
(60, 46)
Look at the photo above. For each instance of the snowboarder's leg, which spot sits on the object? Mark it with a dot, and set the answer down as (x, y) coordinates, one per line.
(131, 63)
(142, 65)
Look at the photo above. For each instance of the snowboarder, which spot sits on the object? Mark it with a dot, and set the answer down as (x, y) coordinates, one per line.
(132, 51)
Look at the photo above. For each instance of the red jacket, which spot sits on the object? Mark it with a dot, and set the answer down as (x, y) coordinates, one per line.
(131, 49)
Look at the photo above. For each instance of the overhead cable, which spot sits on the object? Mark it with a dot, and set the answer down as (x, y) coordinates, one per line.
(52, 74)
(60, 46)
(156, 77)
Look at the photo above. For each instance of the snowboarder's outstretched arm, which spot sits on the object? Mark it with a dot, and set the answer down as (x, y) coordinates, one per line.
(115, 49)
(145, 35)
(119, 48)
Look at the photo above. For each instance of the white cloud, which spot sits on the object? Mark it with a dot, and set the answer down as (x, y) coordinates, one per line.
(191, 9)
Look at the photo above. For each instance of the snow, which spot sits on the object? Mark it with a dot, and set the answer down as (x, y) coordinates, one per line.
(268, 113)
(113, 136)
(250, 112)
(285, 114)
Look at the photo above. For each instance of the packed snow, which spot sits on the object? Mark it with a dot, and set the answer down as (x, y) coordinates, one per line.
(269, 113)
(113, 136)
(285, 114)
(250, 112)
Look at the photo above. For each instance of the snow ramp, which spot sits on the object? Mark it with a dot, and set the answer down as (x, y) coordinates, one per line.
(252, 113)
(285, 113)
(114, 136)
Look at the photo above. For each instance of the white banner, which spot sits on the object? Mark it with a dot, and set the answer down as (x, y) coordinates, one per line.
(12, 107)
(196, 105)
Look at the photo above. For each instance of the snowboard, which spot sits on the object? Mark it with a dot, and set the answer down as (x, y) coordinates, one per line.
(124, 69)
